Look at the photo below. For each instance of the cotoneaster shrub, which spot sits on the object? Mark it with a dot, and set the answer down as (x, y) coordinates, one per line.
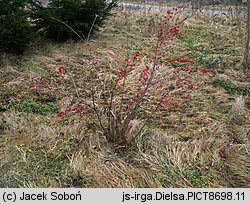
(144, 85)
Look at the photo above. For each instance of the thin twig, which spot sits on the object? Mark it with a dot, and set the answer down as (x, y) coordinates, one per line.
(149, 82)
(91, 28)
(94, 106)
(69, 28)
(154, 111)
(74, 84)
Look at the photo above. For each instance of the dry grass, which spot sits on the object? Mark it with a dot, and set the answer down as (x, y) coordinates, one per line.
(110, 171)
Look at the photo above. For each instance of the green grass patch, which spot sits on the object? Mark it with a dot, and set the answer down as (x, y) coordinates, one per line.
(28, 101)
(190, 41)
(2, 108)
(30, 65)
(36, 167)
(203, 59)
(230, 87)
(31, 106)
(191, 173)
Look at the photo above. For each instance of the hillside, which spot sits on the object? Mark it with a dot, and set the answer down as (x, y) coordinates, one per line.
(200, 139)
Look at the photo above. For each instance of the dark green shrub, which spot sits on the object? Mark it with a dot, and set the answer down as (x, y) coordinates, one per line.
(55, 19)
(15, 30)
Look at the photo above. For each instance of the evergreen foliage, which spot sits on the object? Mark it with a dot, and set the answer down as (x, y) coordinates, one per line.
(16, 32)
(55, 19)
(60, 20)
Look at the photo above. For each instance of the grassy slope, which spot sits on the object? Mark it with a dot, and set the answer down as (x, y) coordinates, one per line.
(203, 143)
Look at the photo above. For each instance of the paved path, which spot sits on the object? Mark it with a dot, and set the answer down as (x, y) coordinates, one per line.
(135, 6)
